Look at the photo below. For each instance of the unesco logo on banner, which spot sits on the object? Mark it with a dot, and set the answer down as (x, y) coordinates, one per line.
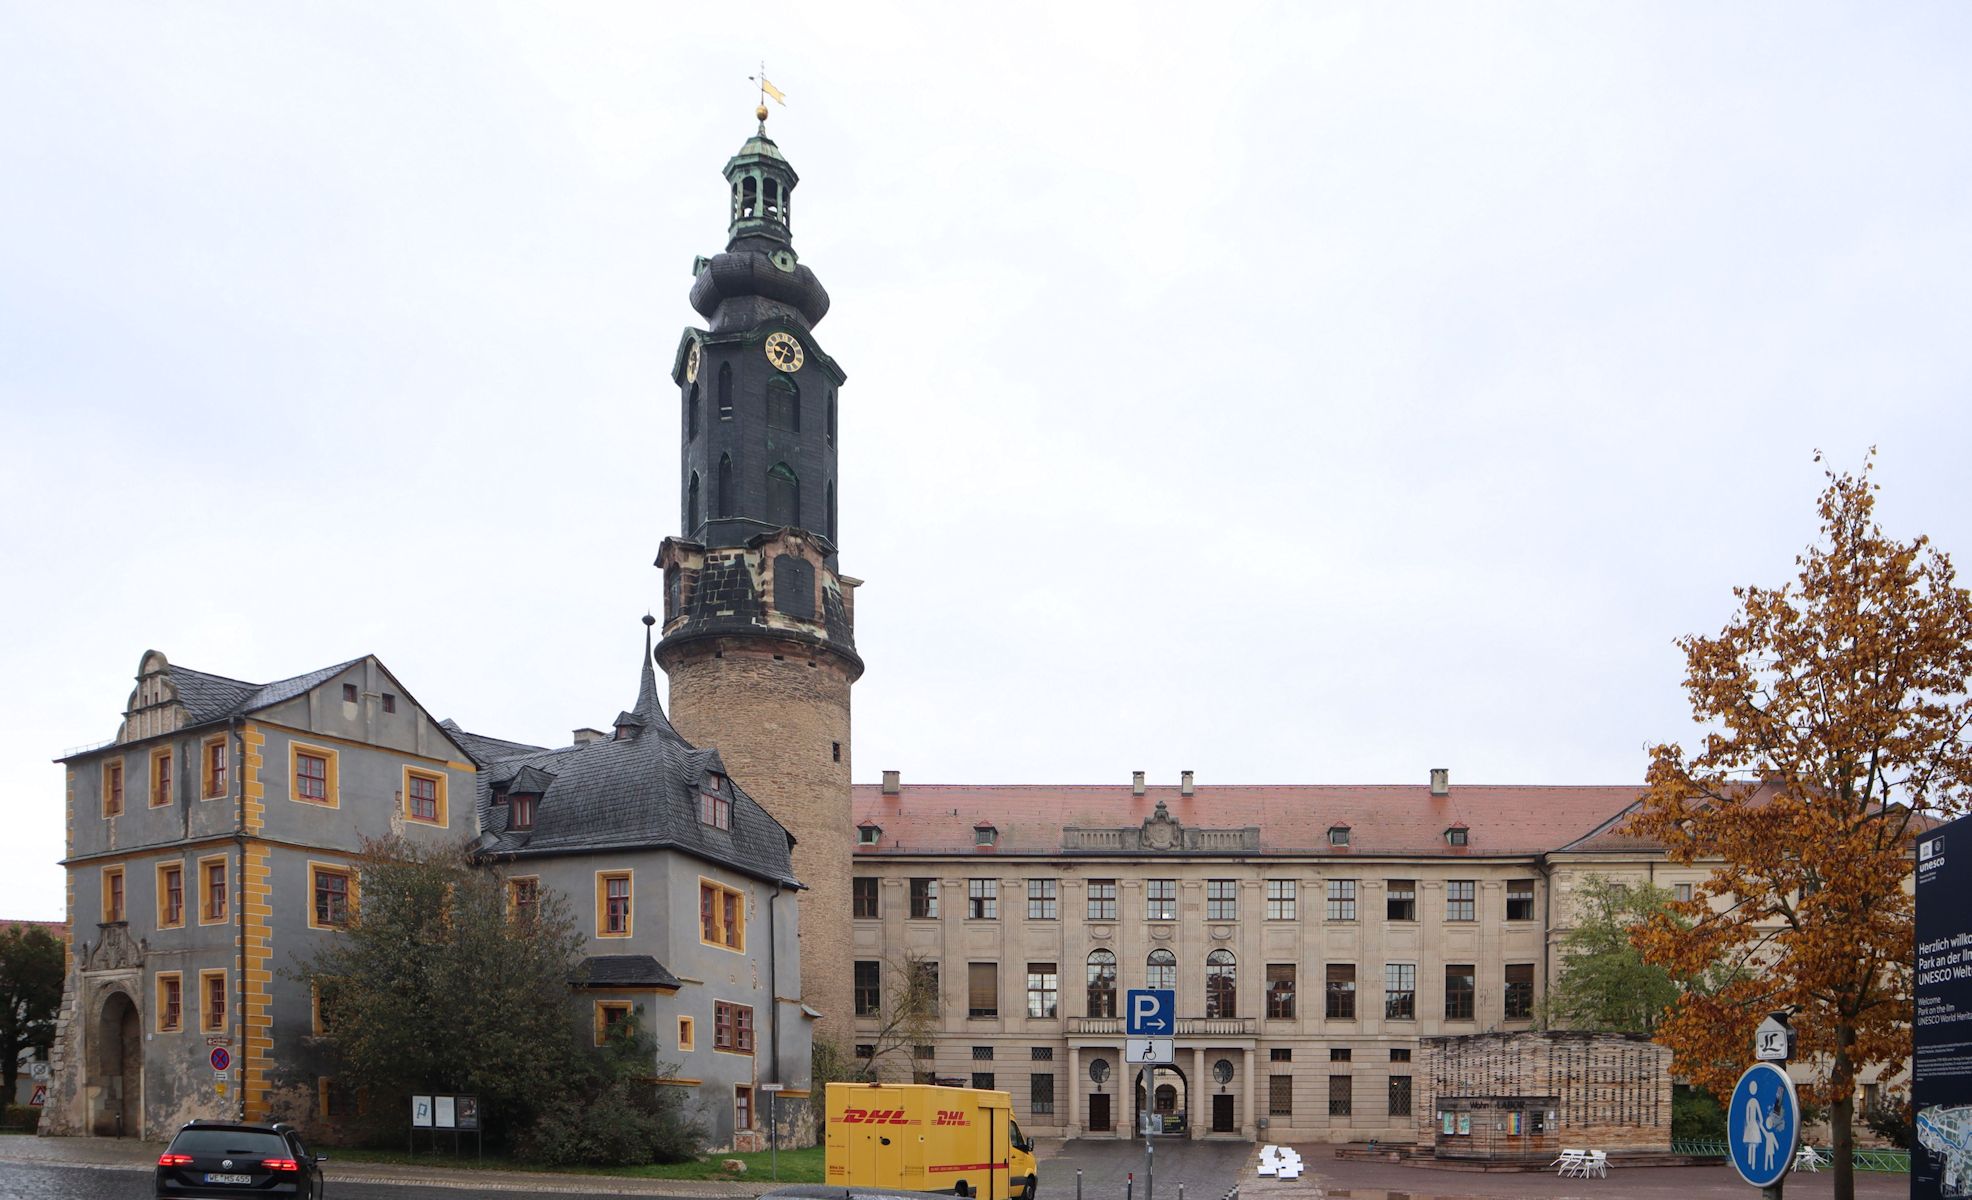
(1930, 855)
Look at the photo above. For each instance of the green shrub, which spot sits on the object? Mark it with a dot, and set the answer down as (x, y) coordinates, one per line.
(1696, 1116)
(21, 1116)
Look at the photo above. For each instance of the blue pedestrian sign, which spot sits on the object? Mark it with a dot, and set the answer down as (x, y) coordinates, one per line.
(1151, 1012)
(1763, 1124)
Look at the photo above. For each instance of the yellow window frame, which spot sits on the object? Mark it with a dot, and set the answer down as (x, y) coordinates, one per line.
(209, 1021)
(726, 937)
(315, 871)
(602, 904)
(225, 891)
(331, 775)
(442, 820)
(162, 868)
(157, 992)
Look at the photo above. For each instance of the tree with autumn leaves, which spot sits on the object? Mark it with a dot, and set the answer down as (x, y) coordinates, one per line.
(1836, 715)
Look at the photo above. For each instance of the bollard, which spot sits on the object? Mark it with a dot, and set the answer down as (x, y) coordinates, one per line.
(1181, 1192)
(1129, 1184)
(1078, 1183)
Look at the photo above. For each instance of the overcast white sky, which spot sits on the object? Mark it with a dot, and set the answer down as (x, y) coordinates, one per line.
(1310, 393)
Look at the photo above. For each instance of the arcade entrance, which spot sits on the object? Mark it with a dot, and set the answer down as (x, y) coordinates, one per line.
(1169, 1101)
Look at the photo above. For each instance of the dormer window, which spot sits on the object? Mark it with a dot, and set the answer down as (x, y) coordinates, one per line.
(715, 808)
(985, 835)
(1338, 835)
(521, 812)
(868, 834)
(1455, 836)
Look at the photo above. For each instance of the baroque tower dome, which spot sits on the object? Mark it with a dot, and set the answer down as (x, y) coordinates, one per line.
(759, 624)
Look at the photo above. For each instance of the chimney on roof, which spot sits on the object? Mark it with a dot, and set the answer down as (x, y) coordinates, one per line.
(1136, 783)
(1184, 783)
(893, 782)
(1441, 781)
(584, 736)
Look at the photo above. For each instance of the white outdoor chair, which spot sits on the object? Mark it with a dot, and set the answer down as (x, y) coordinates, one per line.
(1809, 1159)
(1598, 1164)
(1291, 1170)
(1569, 1162)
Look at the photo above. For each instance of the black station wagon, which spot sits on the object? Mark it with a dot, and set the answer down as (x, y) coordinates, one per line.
(211, 1159)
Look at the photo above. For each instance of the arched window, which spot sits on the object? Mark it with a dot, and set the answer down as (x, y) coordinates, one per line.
(831, 429)
(1102, 983)
(1161, 970)
(1165, 1100)
(691, 415)
(1221, 984)
(749, 196)
(831, 513)
(691, 506)
(783, 404)
(772, 192)
(725, 391)
(783, 496)
(725, 505)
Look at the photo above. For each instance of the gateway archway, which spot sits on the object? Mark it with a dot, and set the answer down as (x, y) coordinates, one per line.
(1169, 1101)
(116, 1068)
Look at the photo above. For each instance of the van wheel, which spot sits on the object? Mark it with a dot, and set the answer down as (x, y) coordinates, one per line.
(1033, 1186)
(960, 1189)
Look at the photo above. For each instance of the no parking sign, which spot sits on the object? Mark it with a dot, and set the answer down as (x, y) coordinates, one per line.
(222, 1058)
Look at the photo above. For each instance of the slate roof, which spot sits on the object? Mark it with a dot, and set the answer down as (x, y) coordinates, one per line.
(1501, 820)
(638, 790)
(483, 749)
(623, 971)
(209, 697)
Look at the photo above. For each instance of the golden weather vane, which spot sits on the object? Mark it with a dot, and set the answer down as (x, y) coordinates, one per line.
(766, 89)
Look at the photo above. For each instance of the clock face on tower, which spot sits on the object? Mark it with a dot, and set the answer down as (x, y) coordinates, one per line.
(784, 352)
(691, 363)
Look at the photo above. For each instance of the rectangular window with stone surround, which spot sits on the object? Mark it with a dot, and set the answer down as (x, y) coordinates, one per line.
(1041, 899)
(982, 898)
(1341, 899)
(1280, 899)
(1102, 899)
(1221, 900)
(924, 899)
(1461, 900)
(1160, 900)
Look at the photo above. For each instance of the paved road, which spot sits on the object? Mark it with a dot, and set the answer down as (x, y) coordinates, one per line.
(1206, 1169)
(52, 1181)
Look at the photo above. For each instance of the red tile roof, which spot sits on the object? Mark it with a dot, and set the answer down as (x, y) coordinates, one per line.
(1382, 819)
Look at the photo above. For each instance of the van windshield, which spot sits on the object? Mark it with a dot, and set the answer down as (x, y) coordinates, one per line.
(1019, 1142)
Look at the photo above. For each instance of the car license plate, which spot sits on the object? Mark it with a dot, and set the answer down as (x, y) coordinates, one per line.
(211, 1178)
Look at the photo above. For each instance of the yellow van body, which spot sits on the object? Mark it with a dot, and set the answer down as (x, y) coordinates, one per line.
(918, 1137)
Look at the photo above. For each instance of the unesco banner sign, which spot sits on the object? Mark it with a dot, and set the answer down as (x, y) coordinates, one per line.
(1941, 1069)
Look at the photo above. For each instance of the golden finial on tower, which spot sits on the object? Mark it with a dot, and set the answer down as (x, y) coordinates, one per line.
(766, 89)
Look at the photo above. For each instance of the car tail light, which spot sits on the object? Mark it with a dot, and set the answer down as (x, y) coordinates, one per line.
(174, 1160)
(280, 1164)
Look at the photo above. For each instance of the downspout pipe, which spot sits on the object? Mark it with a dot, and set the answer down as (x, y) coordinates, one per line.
(773, 986)
(236, 883)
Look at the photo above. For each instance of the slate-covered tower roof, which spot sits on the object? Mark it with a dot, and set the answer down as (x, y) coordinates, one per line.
(757, 394)
(636, 790)
(759, 623)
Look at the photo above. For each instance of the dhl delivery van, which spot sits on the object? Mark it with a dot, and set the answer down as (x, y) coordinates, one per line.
(918, 1137)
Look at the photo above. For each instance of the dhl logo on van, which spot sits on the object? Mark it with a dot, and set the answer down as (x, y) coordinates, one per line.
(948, 1116)
(873, 1116)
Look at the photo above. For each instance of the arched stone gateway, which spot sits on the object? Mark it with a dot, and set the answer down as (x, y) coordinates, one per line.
(116, 1068)
(1170, 1097)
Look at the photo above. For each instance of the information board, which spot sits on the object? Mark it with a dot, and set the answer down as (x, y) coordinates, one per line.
(1941, 1067)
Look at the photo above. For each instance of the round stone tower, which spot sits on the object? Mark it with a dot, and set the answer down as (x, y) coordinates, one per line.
(759, 637)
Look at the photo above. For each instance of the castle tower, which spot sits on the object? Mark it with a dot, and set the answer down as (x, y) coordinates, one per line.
(758, 623)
